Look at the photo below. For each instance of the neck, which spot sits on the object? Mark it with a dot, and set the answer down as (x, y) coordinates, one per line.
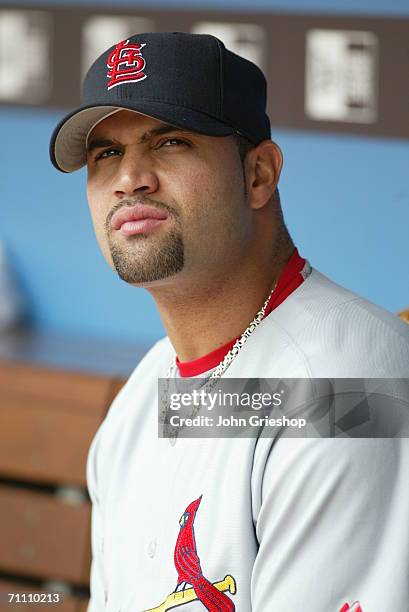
(205, 314)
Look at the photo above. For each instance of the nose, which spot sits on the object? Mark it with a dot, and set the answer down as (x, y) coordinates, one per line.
(135, 175)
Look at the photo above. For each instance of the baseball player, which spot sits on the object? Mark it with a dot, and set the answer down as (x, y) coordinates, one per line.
(182, 188)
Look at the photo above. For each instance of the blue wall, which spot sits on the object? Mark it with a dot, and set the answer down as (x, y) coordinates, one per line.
(351, 7)
(346, 202)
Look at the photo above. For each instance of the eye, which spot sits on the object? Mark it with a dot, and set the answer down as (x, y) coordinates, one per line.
(173, 142)
(111, 152)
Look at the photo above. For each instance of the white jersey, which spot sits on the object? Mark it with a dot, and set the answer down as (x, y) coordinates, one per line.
(291, 524)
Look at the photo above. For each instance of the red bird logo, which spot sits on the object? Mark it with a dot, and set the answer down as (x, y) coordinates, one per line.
(191, 583)
(187, 565)
(355, 607)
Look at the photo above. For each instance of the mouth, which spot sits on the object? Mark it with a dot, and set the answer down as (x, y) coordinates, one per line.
(138, 219)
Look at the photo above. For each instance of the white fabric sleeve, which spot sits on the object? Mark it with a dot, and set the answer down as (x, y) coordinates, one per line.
(332, 525)
(97, 580)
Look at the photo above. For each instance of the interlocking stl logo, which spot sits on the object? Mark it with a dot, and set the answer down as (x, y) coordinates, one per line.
(125, 64)
(355, 607)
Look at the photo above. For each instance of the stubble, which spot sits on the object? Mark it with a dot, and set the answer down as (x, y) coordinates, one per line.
(145, 258)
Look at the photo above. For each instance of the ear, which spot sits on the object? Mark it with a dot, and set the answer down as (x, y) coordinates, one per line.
(263, 168)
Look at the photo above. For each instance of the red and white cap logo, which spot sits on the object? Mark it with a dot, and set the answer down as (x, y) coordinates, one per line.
(125, 64)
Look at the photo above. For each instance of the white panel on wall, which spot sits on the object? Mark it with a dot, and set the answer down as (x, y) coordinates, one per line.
(103, 31)
(341, 76)
(25, 56)
(246, 39)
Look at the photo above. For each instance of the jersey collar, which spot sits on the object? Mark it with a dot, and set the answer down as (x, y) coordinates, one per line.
(290, 278)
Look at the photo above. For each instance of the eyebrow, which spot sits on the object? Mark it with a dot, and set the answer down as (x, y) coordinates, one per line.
(99, 143)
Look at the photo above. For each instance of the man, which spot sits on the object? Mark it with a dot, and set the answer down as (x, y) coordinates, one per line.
(182, 188)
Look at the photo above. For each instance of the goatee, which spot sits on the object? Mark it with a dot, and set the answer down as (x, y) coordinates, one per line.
(145, 258)
(151, 263)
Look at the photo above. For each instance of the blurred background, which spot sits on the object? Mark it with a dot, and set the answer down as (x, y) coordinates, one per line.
(70, 330)
(338, 104)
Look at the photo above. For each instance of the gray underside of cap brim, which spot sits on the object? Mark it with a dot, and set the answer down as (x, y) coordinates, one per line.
(69, 148)
(70, 142)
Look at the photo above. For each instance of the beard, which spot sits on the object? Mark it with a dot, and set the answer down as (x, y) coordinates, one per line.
(146, 258)
(144, 263)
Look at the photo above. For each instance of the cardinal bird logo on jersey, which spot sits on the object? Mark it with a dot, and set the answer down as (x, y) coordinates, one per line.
(191, 584)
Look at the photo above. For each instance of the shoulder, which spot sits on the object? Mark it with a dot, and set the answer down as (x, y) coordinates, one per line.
(144, 377)
(323, 304)
(336, 332)
(125, 410)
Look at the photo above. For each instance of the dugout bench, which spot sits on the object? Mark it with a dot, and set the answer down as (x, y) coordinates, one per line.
(48, 417)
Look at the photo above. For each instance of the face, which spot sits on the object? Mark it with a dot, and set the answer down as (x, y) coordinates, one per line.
(166, 203)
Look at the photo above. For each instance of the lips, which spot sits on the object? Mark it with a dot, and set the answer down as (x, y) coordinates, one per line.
(137, 219)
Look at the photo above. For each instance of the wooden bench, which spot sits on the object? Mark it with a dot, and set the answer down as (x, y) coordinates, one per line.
(48, 418)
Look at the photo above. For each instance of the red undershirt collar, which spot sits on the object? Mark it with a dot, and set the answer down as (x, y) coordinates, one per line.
(289, 279)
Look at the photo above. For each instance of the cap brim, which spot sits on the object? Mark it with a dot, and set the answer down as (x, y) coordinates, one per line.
(68, 141)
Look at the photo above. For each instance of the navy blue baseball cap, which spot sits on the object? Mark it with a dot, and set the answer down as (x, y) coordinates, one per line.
(187, 80)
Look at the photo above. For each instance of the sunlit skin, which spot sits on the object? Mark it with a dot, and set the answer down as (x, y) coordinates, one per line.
(233, 246)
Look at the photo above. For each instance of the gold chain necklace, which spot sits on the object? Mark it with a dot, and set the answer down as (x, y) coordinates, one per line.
(210, 381)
